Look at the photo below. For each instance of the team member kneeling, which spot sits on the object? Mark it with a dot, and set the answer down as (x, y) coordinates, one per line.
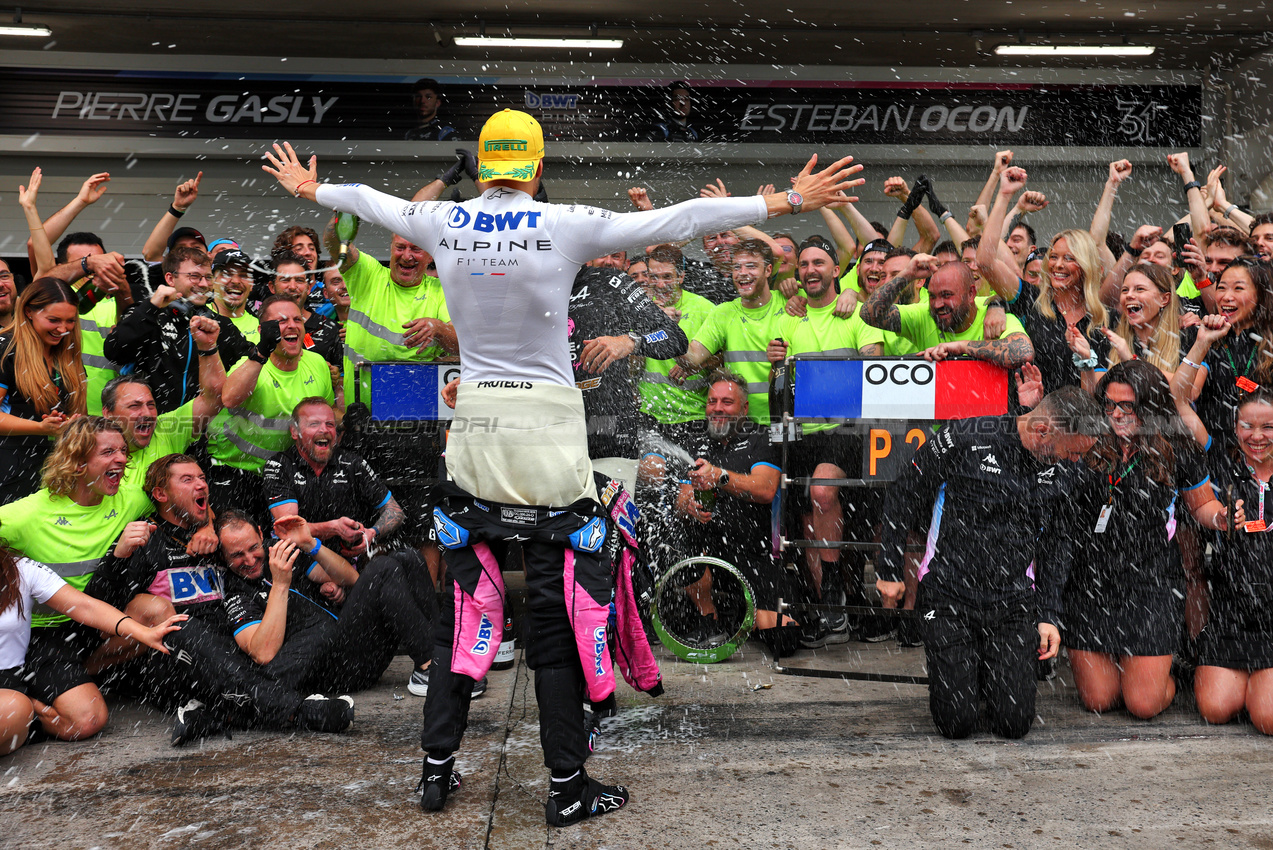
(153, 573)
(281, 618)
(989, 483)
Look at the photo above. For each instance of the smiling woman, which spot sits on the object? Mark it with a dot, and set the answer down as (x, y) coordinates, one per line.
(41, 382)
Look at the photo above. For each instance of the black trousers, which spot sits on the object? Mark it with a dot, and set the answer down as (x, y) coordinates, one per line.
(979, 652)
(550, 652)
(392, 604)
(208, 665)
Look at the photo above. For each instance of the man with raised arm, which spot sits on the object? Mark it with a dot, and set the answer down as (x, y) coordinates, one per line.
(506, 263)
(951, 323)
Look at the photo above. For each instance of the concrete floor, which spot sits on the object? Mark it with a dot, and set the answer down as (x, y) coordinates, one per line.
(808, 763)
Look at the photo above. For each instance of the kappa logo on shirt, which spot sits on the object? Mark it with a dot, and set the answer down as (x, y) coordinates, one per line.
(990, 464)
(62, 521)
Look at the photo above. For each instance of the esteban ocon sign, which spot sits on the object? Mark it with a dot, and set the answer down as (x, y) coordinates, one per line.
(194, 105)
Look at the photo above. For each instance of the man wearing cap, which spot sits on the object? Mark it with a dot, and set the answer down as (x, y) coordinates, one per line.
(518, 451)
(231, 286)
(154, 336)
(824, 452)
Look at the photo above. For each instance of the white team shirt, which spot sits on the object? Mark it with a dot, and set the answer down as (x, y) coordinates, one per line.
(39, 583)
(507, 262)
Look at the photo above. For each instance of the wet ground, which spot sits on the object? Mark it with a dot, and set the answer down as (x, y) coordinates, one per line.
(713, 763)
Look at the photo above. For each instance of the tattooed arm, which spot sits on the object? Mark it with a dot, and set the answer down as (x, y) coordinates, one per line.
(1010, 352)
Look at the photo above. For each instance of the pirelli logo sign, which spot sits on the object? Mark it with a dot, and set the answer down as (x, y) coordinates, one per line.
(505, 145)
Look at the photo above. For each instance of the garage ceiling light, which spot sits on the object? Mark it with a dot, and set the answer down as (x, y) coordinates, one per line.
(1074, 50)
(513, 41)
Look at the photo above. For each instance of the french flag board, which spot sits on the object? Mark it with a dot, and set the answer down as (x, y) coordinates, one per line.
(898, 388)
(410, 391)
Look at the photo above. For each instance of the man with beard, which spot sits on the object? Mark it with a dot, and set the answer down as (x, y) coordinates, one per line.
(292, 281)
(346, 503)
(737, 463)
(260, 393)
(151, 574)
(824, 452)
(951, 323)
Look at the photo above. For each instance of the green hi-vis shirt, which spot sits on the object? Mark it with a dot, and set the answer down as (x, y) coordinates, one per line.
(742, 336)
(69, 538)
(1187, 288)
(250, 434)
(248, 325)
(378, 308)
(920, 330)
(174, 433)
(94, 326)
(849, 280)
(820, 331)
(666, 401)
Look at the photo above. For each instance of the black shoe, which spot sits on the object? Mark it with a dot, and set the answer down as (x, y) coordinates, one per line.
(318, 713)
(781, 641)
(837, 621)
(436, 782)
(908, 633)
(479, 688)
(814, 633)
(195, 721)
(871, 628)
(582, 797)
(708, 633)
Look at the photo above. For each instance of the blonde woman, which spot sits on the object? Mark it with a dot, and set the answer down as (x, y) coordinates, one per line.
(1068, 296)
(42, 382)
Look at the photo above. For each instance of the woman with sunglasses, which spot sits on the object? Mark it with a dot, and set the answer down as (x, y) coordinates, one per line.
(1122, 604)
(1235, 650)
(1233, 349)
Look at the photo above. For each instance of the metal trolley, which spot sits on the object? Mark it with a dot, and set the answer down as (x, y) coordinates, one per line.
(893, 404)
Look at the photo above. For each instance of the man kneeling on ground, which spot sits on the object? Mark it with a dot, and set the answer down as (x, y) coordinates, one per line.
(281, 618)
(152, 572)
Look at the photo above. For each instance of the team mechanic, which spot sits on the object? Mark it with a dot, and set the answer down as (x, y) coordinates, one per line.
(611, 319)
(518, 441)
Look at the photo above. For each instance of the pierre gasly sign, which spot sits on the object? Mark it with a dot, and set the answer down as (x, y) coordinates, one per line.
(195, 105)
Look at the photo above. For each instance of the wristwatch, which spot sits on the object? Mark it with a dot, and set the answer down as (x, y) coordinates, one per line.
(1082, 364)
(724, 478)
(796, 200)
(637, 341)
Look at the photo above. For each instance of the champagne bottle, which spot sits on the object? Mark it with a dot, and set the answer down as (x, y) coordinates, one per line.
(505, 655)
(346, 230)
(90, 295)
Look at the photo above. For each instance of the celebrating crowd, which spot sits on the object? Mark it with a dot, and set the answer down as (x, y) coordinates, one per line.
(195, 507)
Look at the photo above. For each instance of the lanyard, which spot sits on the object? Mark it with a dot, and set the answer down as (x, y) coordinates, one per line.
(1263, 488)
(1228, 351)
(1114, 482)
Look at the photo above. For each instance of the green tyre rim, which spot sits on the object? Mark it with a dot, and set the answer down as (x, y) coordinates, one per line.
(679, 646)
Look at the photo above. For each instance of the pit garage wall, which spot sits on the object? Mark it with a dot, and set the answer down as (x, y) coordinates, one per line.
(238, 200)
(1241, 102)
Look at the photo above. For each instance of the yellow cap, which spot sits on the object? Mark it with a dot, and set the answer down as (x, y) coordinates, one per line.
(511, 145)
